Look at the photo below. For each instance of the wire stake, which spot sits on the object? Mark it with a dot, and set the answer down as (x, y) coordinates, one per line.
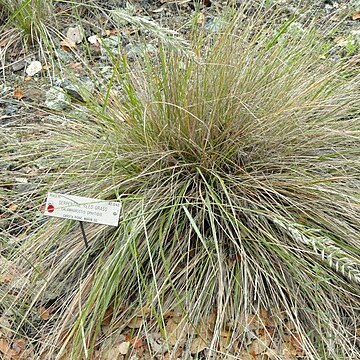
(83, 234)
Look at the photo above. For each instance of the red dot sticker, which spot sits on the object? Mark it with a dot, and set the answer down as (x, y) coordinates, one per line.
(50, 208)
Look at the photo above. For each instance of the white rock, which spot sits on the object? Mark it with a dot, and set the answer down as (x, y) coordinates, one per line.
(75, 34)
(33, 68)
(93, 40)
(124, 347)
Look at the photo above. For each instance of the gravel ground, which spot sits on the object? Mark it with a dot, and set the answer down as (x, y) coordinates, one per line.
(20, 92)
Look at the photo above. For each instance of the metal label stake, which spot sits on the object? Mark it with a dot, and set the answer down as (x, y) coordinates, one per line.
(83, 234)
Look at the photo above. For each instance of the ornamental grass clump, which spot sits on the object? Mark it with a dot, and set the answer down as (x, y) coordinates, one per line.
(238, 172)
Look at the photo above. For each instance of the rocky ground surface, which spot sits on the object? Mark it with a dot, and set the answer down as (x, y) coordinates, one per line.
(31, 78)
(36, 84)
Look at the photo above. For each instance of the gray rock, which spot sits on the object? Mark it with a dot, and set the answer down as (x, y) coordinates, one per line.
(64, 56)
(11, 109)
(111, 45)
(19, 65)
(215, 24)
(354, 5)
(133, 51)
(57, 99)
(355, 34)
(80, 113)
(71, 90)
(22, 185)
(4, 89)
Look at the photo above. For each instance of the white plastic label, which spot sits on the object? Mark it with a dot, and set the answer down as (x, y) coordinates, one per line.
(83, 209)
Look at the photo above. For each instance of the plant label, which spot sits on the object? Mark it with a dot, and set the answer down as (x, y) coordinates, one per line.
(83, 209)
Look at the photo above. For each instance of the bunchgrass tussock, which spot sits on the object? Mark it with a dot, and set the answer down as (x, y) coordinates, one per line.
(239, 179)
(26, 20)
